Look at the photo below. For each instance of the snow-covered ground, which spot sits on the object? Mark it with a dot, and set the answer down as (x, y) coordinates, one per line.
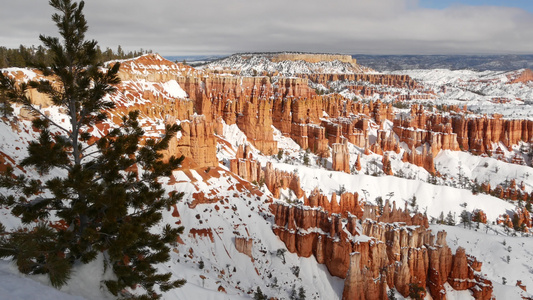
(478, 90)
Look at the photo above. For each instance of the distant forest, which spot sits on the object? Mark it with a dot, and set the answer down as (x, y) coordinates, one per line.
(24, 56)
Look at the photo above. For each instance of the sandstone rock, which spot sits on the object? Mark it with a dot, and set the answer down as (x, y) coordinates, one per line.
(387, 254)
(340, 157)
(244, 245)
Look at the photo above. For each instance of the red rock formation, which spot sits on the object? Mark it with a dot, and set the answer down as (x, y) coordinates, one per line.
(521, 285)
(424, 160)
(521, 220)
(244, 245)
(524, 77)
(204, 232)
(357, 165)
(197, 142)
(347, 204)
(479, 216)
(459, 131)
(151, 67)
(387, 169)
(340, 157)
(276, 180)
(377, 254)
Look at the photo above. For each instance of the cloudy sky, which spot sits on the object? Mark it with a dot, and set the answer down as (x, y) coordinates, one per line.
(180, 27)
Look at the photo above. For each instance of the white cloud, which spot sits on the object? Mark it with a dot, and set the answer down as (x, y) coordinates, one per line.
(214, 26)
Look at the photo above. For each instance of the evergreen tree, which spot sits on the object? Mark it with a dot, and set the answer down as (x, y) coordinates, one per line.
(258, 295)
(441, 218)
(391, 295)
(466, 219)
(450, 220)
(306, 157)
(109, 198)
(5, 105)
(413, 204)
(301, 293)
(416, 291)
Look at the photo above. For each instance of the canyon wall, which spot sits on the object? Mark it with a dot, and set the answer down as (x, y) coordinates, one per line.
(372, 254)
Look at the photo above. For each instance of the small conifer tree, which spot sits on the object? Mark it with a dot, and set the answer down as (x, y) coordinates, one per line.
(466, 219)
(450, 220)
(5, 105)
(258, 295)
(105, 197)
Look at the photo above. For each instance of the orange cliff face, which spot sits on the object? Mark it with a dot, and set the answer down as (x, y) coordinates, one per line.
(459, 131)
(524, 77)
(372, 254)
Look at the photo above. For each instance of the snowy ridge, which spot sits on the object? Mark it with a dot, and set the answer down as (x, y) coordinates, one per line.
(257, 64)
(452, 62)
(485, 92)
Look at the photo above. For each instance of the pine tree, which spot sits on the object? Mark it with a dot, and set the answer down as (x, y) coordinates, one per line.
(306, 157)
(413, 204)
(465, 218)
(301, 293)
(109, 198)
(5, 105)
(258, 295)
(441, 218)
(391, 295)
(450, 220)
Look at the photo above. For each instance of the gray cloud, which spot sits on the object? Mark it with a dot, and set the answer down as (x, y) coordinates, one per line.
(221, 27)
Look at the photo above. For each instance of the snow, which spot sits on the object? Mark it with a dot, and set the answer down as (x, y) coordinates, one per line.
(15, 286)
(174, 89)
(28, 74)
(477, 90)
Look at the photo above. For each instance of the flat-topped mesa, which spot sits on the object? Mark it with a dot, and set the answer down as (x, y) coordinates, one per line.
(313, 58)
(372, 254)
(285, 64)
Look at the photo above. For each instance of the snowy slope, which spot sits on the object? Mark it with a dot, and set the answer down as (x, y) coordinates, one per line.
(478, 90)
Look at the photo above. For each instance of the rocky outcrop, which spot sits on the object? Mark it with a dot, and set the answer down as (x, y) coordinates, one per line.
(348, 203)
(424, 159)
(377, 79)
(387, 168)
(371, 253)
(197, 142)
(313, 58)
(245, 101)
(340, 157)
(275, 180)
(244, 245)
(520, 220)
(523, 77)
(459, 131)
